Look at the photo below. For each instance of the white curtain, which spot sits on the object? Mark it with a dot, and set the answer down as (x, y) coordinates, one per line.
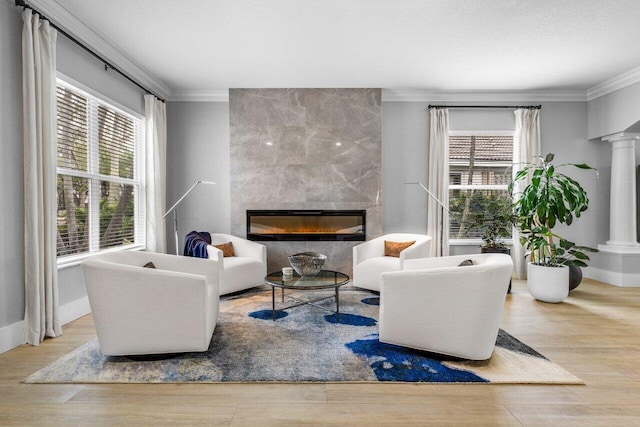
(526, 150)
(156, 168)
(41, 317)
(438, 184)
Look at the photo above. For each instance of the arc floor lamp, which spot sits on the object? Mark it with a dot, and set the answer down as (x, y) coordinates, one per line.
(175, 211)
(442, 209)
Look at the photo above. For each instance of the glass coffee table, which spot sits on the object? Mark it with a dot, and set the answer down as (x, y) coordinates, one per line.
(326, 279)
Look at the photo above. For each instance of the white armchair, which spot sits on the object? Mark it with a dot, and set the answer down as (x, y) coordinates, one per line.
(246, 269)
(167, 309)
(369, 260)
(437, 306)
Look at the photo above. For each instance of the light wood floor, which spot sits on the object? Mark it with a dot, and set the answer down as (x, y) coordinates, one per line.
(595, 334)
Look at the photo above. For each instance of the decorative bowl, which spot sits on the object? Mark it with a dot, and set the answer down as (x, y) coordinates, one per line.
(307, 264)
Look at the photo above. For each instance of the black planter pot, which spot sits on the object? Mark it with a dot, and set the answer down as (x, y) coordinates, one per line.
(507, 251)
(575, 277)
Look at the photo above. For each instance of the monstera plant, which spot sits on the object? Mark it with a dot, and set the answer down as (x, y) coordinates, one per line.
(551, 198)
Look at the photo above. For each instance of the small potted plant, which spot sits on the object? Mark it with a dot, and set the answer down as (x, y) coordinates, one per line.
(550, 198)
(489, 216)
(495, 221)
(493, 217)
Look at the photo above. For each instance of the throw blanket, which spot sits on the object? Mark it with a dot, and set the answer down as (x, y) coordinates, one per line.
(195, 244)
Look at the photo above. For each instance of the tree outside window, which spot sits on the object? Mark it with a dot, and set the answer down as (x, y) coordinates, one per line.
(480, 166)
(98, 183)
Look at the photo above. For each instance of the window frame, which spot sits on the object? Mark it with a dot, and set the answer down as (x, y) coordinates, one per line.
(92, 174)
(511, 133)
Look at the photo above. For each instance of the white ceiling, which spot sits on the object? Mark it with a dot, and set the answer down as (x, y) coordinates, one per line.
(436, 45)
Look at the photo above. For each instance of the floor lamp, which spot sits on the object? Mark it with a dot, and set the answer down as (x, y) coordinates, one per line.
(175, 211)
(442, 209)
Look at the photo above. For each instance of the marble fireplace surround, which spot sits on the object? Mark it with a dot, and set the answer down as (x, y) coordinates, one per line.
(306, 149)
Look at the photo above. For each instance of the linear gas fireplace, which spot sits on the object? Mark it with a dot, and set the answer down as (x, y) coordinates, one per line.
(306, 225)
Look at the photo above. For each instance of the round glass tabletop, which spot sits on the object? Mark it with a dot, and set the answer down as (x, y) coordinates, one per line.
(326, 279)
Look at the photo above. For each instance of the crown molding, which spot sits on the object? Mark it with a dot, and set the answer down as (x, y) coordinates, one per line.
(411, 95)
(615, 83)
(63, 18)
(220, 95)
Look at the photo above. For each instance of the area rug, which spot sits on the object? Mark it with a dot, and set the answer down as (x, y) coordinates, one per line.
(304, 344)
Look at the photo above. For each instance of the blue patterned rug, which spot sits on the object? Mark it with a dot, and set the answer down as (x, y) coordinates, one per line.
(304, 344)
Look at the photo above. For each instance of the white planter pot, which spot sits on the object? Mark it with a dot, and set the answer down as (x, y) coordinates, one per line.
(548, 284)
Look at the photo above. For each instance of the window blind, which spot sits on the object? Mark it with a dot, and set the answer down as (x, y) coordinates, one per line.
(100, 197)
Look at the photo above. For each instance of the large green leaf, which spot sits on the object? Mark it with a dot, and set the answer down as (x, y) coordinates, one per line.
(579, 255)
(582, 166)
(550, 198)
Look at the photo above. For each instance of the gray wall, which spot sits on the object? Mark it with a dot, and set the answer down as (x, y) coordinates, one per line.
(563, 132)
(198, 149)
(405, 133)
(74, 62)
(77, 64)
(614, 112)
(618, 111)
(200, 128)
(11, 211)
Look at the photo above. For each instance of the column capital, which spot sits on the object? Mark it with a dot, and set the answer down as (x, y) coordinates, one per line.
(621, 136)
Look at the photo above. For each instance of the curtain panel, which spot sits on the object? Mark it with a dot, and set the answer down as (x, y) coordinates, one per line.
(526, 150)
(438, 183)
(41, 317)
(156, 168)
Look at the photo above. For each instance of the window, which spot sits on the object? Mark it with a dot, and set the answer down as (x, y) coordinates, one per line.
(480, 167)
(99, 175)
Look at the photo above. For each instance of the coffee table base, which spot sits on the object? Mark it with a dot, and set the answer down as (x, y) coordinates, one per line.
(304, 302)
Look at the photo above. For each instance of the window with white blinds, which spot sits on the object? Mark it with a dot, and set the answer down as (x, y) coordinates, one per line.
(480, 165)
(100, 193)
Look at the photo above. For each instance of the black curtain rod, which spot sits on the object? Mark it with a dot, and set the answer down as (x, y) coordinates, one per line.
(107, 64)
(515, 107)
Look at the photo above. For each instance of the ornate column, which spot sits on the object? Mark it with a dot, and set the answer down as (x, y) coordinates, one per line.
(622, 208)
(618, 262)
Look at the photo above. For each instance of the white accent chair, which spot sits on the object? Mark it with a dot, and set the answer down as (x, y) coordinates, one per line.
(246, 269)
(369, 260)
(172, 308)
(437, 306)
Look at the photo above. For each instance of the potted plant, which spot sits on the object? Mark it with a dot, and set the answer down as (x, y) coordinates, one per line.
(493, 217)
(486, 215)
(550, 198)
(495, 220)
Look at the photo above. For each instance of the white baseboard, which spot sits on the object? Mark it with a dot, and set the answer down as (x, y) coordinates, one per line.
(74, 310)
(615, 278)
(11, 336)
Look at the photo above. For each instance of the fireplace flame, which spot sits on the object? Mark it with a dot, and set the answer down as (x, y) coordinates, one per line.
(305, 225)
(296, 223)
(262, 229)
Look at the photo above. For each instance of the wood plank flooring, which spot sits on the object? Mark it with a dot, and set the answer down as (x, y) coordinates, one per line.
(595, 334)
